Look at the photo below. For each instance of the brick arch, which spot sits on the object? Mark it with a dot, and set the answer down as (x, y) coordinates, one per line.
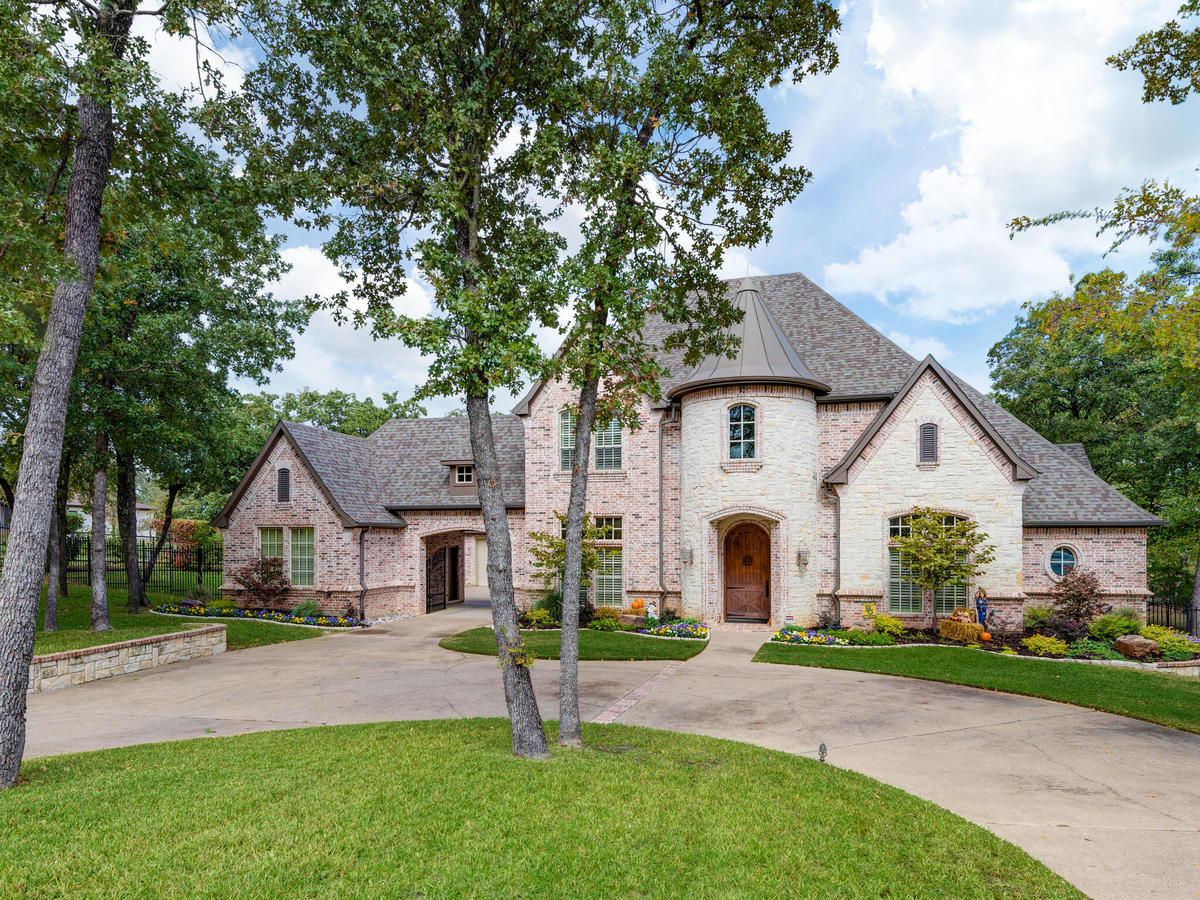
(718, 525)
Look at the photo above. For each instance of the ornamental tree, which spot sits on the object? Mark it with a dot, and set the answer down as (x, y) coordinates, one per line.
(940, 549)
(674, 162)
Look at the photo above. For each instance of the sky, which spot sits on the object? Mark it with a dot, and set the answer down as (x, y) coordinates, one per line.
(943, 121)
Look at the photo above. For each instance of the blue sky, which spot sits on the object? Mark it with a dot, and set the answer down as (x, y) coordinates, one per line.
(944, 120)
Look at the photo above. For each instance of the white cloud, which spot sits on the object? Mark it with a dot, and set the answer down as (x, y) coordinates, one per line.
(921, 346)
(173, 58)
(1039, 123)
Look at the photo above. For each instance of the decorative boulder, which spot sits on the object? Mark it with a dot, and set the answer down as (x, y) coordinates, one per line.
(639, 621)
(1134, 646)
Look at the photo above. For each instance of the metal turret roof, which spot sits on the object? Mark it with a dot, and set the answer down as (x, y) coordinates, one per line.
(764, 356)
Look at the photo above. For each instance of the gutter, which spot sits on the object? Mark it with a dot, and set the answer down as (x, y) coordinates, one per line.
(662, 577)
(837, 556)
(362, 572)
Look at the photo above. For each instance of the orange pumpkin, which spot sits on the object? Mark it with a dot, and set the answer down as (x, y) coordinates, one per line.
(639, 603)
(984, 636)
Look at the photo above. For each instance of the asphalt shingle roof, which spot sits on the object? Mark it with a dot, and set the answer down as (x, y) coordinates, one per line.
(402, 465)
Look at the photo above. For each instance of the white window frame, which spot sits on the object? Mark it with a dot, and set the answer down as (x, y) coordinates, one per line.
(742, 440)
(1049, 561)
(609, 449)
(608, 582)
(567, 423)
(464, 474)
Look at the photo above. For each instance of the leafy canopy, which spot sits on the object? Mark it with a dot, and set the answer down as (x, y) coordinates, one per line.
(941, 549)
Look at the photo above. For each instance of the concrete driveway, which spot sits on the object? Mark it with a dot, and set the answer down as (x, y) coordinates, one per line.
(1110, 803)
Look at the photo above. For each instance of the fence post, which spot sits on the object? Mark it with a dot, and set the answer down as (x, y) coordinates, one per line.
(200, 564)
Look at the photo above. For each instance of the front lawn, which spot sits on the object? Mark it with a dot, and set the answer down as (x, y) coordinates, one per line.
(442, 809)
(593, 645)
(1165, 699)
(74, 620)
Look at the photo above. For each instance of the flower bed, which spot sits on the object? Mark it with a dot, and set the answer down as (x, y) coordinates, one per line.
(694, 630)
(807, 636)
(269, 615)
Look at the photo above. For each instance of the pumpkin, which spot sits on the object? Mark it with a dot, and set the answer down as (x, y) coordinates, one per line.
(984, 636)
(639, 603)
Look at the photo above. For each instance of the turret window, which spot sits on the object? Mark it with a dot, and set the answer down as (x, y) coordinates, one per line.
(742, 432)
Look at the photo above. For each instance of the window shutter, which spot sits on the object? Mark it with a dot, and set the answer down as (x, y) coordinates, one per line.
(929, 444)
(284, 492)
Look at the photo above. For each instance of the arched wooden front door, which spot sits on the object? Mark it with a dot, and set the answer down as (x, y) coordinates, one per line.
(747, 573)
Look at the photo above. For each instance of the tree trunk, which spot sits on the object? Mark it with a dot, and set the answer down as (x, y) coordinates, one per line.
(25, 555)
(570, 732)
(1196, 600)
(127, 526)
(100, 620)
(528, 733)
(60, 515)
(50, 617)
(172, 492)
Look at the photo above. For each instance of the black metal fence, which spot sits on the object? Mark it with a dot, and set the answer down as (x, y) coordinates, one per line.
(177, 571)
(1173, 615)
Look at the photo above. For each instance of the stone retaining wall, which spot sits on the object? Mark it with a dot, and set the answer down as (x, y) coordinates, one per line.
(58, 670)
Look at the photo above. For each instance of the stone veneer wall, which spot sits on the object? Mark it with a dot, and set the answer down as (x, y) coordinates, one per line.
(778, 490)
(58, 670)
(972, 478)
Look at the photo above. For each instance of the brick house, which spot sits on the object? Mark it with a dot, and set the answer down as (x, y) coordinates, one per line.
(768, 487)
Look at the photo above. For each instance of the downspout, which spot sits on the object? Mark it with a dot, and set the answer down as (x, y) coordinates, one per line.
(662, 577)
(362, 573)
(837, 556)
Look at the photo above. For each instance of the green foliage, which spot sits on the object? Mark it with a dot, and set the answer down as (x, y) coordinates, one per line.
(1043, 645)
(540, 618)
(889, 625)
(1113, 625)
(336, 410)
(605, 624)
(200, 595)
(1167, 58)
(1171, 641)
(265, 581)
(858, 637)
(1037, 616)
(548, 551)
(607, 612)
(594, 644)
(305, 608)
(1092, 649)
(74, 522)
(1077, 596)
(940, 549)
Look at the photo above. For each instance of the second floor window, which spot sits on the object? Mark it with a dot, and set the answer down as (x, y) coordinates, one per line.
(464, 474)
(742, 437)
(566, 439)
(607, 441)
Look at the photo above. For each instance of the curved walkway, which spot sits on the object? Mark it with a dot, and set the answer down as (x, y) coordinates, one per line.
(1112, 804)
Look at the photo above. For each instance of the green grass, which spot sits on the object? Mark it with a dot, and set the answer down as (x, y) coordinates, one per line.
(74, 620)
(593, 645)
(1164, 699)
(442, 809)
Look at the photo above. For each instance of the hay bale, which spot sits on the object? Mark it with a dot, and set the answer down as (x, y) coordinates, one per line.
(959, 631)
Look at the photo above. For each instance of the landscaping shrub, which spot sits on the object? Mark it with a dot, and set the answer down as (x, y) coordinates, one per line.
(889, 625)
(539, 618)
(552, 602)
(604, 624)
(306, 608)
(1077, 596)
(859, 638)
(667, 616)
(1094, 649)
(1043, 645)
(1066, 628)
(607, 612)
(1173, 644)
(199, 595)
(265, 581)
(1112, 625)
(221, 603)
(1037, 616)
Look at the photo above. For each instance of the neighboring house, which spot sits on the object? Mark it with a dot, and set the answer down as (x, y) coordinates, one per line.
(145, 517)
(767, 488)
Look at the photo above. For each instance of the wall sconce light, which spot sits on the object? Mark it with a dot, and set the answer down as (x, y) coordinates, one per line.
(802, 556)
(687, 555)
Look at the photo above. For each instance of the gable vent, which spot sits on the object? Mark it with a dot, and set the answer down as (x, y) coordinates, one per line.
(929, 444)
(284, 492)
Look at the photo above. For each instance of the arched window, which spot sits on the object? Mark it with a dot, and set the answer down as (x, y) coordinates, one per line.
(283, 493)
(928, 450)
(742, 437)
(1062, 561)
(904, 594)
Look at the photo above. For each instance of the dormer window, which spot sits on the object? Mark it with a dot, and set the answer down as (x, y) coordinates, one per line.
(742, 436)
(927, 449)
(283, 489)
(464, 474)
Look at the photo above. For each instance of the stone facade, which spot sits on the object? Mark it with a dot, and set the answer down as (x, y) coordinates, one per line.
(58, 670)
(678, 494)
